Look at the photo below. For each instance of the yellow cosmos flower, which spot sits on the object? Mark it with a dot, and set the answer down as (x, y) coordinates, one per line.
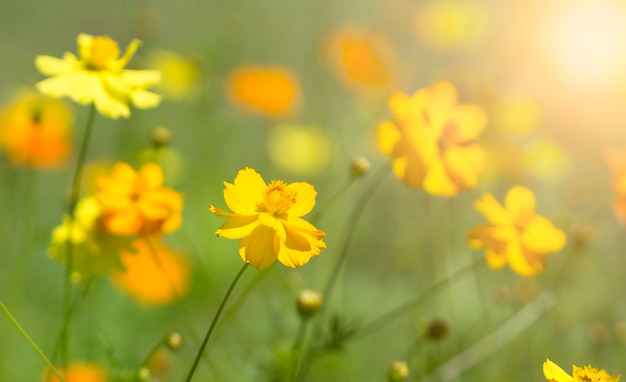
(137, 203)
(36, 131)
(432, 140)
(95, 251)
(80, 372)
(179, 74)
(554, 373)
(514, 233)
(267, 219)
(97, 76)
(270, 91)
(362, 59)
(153, 274)
(299, 149)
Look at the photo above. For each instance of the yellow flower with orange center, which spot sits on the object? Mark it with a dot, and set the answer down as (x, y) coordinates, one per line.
(554, 373)
(362, 59)
(272, 91)
(80, 372)
(153, 274)
(268, 220)
(97, 76)
(137, 203)
(432, 140)
(514, 233)
(36, 131)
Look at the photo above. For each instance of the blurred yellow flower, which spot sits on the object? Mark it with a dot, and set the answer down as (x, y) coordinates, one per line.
(95, 251)
(450, 24)
(302, 150)
(80, 372)
(617, 161)
(514, 233)
(554, 373)
(361, 59)
(179, 75)
(267, 219)
(36, 131)
(518, 116)
(137, 203)
(432, 140)
(271, 91)
(98, 76)
(153, 273)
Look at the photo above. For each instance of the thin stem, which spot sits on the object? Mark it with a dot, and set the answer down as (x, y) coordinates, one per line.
(30, 341)
(297, 349)
(331, 201)
(214, 322)
(69, 259)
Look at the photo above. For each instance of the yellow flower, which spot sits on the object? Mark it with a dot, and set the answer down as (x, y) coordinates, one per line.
(80, 372)
(299, 149)
(36, 131)
(515, 233)
(98, 76)
(154, 274)
(554, 373)
(271, 91)
(432, 140)
(617, 161)
(137, 203)
(95, 251)
(179, 74)
(362, 59)
(267, 219)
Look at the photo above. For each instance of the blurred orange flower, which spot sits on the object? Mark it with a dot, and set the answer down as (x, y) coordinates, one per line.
(514, 233)
(271, 91)
(35, 131)
(80, 372)
(361, 59)
(617, 161)
(137, 203)
(432, 140)
(154, 274)
(268, 220)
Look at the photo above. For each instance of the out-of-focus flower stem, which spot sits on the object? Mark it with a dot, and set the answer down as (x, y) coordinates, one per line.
(214, 322)
(69, 259)
(30, 341)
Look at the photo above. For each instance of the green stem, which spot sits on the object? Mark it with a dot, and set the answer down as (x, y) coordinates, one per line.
(69, 259)
(214, 322)
(30, 341)
(297, 349)
(331, 201)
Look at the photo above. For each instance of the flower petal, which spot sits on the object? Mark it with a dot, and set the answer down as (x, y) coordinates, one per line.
(464, 164)
(305, 198)
(388, 136)
(520, 262)
(469, 122)
(438, 181)
(259, 248)
(553, 372)
(238, 226)
(246, 193)
(493, 210)
(50, 66)
(520, 202)
(143, 99)
(543, 237)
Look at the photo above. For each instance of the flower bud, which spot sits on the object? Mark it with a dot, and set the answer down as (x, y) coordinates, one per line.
(308, 303)
(144, 374)
(161, 136)
(359, 166)
(174, 341)
(398, 372)
(437, 330)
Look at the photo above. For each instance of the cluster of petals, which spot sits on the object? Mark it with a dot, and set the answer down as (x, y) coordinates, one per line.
(514, 233)
(97, 76)
(267, 219)
(36, 131)
(137, 203)
(432, 140)
(554, 373)
(80, 372)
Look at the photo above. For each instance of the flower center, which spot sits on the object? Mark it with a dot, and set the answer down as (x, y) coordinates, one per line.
(277, 199)
(103, 50)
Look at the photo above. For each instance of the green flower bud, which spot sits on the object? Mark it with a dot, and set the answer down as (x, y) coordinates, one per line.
(398, 372)
(308, 303)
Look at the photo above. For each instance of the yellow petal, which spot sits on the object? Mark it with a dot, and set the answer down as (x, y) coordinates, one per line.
(107, 104)
(438, 181)
(219, 211)
(464, 164)
(520, 202)
(469, 122)
(493, 211)
(84, 46)
(128, 54)
(49, 65)
(246, 193)
(388, 136)
(140, 78)
(542, 237)
(442, 99)
(400, 105)
(305, 198)
(260, 248)
(520, 263)
(151, 175)
(237, 227)
(553, 372)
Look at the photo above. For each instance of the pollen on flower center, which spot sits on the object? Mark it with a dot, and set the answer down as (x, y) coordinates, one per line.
(277, 199)
(103, 50)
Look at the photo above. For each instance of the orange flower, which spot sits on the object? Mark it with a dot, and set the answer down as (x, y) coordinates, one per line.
(617, 161)
(361, 59)
(136, 203)
(155, 274)
(80, 372)
(35, 131)
(432, 140)
(271, 91)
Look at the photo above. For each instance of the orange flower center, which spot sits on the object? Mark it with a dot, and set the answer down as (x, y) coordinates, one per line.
(103, 50)
(277, 199)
